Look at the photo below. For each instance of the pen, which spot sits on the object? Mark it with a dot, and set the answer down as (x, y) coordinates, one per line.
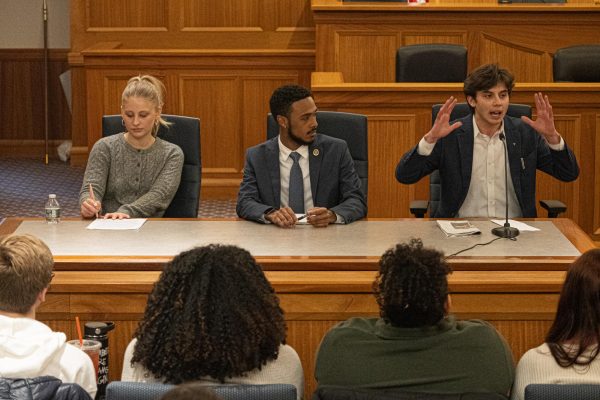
(302, 217)
(93, 198)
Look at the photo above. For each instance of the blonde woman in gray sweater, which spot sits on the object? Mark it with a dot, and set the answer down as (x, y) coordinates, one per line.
(134, 173)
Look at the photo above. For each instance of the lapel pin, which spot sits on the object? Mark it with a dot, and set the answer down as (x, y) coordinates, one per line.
(315, 152)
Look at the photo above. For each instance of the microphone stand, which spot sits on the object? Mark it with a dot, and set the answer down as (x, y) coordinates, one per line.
(505, 231)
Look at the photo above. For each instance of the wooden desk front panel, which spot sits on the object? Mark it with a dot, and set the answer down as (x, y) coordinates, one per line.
(400, 114)
(360, 40)
(522, 317)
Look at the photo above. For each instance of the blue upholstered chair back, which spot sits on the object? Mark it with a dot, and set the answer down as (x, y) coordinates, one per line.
(431, 63)
(185, 133)
(562, 392)
(577, 64)
(118, 390)
(352, 128)
(346, 393)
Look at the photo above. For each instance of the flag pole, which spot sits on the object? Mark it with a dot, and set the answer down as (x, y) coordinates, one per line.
(45, 15)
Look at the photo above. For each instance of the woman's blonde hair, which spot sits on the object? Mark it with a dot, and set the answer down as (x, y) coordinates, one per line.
(151, 89)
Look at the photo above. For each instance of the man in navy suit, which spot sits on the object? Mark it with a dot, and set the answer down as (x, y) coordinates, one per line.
(330, 187)
(469, 152)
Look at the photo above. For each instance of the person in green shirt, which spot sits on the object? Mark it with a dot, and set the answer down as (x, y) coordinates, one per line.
(416, 345)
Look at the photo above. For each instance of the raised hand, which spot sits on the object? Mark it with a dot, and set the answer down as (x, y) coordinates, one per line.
(544, 124)
(441, 126)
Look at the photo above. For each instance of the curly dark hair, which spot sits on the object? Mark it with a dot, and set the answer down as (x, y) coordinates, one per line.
(283, 97)
(412, 286)
(211, 313)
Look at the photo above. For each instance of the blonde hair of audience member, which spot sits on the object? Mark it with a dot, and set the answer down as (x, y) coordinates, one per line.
(25, 273)
(577, 321)
(150, 89)
(191, 391)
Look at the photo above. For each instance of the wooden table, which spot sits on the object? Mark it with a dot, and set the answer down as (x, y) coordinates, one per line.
(518, 295)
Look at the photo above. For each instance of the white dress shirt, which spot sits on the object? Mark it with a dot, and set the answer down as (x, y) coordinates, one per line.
(285, 165)
(486, 195)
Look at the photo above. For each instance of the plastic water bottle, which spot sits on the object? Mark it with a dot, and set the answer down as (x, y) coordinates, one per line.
(52, 210)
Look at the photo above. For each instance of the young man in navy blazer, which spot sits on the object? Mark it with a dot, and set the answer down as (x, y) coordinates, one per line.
(330, 186)
(469, 152)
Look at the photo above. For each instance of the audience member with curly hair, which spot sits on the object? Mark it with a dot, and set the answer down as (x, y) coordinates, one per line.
(213, 316)
(570, 354)
(416, 345)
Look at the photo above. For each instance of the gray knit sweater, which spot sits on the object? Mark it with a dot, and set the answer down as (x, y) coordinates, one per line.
(140, 183)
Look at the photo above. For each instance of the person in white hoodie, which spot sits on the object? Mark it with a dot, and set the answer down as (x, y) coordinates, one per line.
(29, 348)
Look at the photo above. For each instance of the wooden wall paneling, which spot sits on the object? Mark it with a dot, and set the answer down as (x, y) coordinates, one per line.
(213, 96)
(354, 48)
(224, 15)
(256, 92)
(293, 15)
(22, 102)
(522, 335)
(528, 64)
(508, 35)
(387, 134)
(430, 37)
(127, 15)
(190, 24)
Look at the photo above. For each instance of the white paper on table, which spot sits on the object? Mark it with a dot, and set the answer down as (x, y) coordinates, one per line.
(303, 221)
(516, 224)
(457, 228)
(117, 224)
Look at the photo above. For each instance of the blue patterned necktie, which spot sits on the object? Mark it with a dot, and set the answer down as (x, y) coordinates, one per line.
(296, 188)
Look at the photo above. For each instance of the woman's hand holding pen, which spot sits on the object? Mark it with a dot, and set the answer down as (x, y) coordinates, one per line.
(90, 208)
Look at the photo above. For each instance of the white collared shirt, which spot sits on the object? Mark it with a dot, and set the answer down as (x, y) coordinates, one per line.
(486, 196)
(285, 165)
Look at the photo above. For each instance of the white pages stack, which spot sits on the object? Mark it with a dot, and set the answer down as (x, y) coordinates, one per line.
(458, 228)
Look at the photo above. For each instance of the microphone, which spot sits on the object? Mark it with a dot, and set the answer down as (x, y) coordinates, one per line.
(505, 231)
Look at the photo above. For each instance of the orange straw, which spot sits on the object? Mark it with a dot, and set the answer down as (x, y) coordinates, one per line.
(79, 331)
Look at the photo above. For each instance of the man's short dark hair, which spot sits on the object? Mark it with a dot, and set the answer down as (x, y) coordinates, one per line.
(486, 77)
(412, 286)
(283, 97)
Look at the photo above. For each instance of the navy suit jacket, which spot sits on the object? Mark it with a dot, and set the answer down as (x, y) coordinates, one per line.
(334, 182)
(453, 157)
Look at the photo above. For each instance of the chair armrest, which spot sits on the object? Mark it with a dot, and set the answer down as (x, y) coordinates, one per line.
(554, 207)
(418, 208)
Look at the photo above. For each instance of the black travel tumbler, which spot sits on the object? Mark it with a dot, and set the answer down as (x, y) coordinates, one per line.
(99, 331)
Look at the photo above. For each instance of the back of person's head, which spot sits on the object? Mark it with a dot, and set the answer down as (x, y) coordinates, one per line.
(191, 391)
(211, 313)
(577, 320)
(25, 270)
(150, 89)
(486, 77)
(283, 98)
(412, 286)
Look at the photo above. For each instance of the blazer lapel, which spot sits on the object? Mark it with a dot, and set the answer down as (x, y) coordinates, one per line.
(272, 160)
(315, 158)
(464, 137)
(513, 145)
